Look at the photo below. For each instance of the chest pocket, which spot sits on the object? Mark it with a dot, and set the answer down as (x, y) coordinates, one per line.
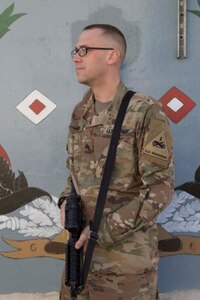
(126, 156)
(81, 150)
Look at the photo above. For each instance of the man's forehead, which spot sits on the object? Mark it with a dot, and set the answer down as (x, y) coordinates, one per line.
(91, 35)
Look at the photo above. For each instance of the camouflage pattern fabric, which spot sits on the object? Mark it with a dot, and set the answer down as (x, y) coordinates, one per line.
(112, 287)
(141, 186)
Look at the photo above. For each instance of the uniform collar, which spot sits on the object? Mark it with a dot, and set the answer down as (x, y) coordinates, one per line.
(114, 106)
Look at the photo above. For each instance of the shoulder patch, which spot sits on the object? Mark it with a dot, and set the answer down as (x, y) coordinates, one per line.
(157, 147)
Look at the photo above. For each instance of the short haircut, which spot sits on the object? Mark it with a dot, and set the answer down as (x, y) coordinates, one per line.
(112, 31)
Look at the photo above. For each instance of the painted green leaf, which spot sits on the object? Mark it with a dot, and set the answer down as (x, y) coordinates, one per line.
(195, 12)
(14, 18)
(3, 31)
(5, 23)
(8, 11)
(6, 19)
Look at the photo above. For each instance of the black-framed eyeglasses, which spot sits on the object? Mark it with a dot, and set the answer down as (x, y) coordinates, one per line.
(83, 50)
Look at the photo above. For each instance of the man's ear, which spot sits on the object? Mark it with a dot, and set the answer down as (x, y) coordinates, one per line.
(114, 57)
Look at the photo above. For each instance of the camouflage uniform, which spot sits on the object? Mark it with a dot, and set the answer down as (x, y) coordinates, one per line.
(124, 265)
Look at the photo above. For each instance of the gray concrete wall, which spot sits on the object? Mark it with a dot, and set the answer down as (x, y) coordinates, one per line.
(35, 54)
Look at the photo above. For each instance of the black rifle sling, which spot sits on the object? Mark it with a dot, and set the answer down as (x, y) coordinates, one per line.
(105, 184)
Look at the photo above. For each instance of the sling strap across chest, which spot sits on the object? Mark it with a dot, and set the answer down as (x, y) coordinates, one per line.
(93, 237)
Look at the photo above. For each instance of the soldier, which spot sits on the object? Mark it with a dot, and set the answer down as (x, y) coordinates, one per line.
(125, 260)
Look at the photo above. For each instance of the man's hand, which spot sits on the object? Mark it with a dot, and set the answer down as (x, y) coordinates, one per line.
(84, 234)
(83, 237)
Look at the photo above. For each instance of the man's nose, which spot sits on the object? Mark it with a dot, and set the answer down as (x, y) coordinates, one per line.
(76, 58)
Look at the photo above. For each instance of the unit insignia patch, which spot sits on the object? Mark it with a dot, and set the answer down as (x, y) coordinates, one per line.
(158, 147)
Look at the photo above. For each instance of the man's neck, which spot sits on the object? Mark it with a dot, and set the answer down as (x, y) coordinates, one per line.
(106, 92)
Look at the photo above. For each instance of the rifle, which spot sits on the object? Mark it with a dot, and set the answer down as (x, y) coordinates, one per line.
(74, 223)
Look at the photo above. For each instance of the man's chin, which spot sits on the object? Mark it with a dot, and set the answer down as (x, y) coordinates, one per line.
(82, 81)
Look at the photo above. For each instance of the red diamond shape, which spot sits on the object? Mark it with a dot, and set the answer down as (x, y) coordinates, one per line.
(176, 104)
(37, 106)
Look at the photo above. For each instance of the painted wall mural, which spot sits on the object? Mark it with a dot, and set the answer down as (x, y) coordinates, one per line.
(39, 216)
(14, 190)
(36, 107)
(180, 221)
(6, 19)
(39, 219)
(176, 104)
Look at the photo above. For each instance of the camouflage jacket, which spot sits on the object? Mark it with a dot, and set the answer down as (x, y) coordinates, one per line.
(142, 178)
